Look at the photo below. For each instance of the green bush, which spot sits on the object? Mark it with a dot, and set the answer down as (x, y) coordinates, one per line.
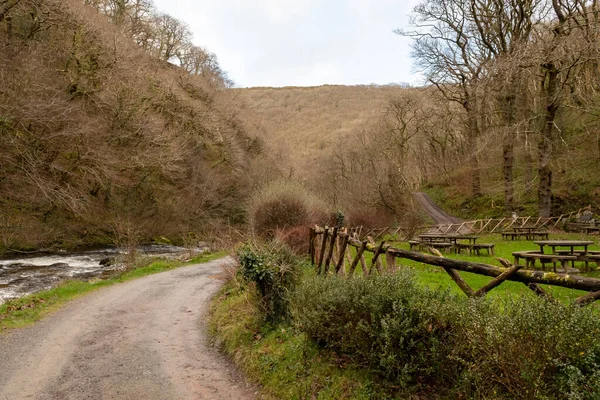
(425, 340)
(274, 270)
(388, 323)
(533, 349)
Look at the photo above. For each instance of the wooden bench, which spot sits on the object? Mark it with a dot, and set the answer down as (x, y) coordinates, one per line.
(459, 247)
(578, 252)
(527, 235)
(532, 255)
(595, 258)
(510, 235)
(538, 235)
(480, 246)
(474, 248)
(441, 245)
(415, 245)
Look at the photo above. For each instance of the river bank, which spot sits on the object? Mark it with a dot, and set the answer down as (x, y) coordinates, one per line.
(28, 309)
(33, 272)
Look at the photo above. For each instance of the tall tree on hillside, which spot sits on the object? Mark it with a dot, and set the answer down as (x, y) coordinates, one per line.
(172, 36)
(447, 49)
(501, 28)
(200, 61)
(563, 49)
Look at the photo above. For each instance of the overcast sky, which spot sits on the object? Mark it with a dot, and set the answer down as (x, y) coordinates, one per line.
(302, 42)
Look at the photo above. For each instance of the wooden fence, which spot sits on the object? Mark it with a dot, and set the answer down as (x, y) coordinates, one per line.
(478, 226)
(494, 225)
(329, 249)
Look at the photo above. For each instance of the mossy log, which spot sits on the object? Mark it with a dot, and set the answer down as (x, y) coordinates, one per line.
(525, 276)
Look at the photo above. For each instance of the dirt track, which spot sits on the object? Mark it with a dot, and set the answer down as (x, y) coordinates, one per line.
(439, 216)
(143, 339)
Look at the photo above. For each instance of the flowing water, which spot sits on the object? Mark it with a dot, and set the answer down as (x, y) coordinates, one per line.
(22, 276)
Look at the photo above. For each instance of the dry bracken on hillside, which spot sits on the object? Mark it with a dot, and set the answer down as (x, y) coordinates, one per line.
(303, 125)
(96, 134)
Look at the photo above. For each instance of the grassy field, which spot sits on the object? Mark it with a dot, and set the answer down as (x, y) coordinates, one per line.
(437, 278)
(29, 309)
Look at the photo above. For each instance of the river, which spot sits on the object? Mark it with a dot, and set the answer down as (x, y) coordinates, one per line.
(33, 273)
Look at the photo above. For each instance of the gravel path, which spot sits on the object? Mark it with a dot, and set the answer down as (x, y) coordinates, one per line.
(143, 339)
(439, 216)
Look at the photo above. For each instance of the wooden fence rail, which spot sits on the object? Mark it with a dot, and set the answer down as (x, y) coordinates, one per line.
(488, 225)
(332, 247)
(494, 225)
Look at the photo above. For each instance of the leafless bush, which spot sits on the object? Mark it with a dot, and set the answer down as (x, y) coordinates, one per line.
(284, 205)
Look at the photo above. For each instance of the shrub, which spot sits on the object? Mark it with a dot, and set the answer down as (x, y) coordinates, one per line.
(284, 205)
(533, 349)
(369, 218)
(274, 270)
(295, 238)
(419, 339)
(399, 330)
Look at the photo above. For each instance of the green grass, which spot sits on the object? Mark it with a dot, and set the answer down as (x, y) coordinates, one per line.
(284, 361)
(29, 309)
(289, 365)
(437, 278)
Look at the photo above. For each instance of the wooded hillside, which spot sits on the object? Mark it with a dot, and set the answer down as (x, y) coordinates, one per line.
(100, 137)
(508, 120)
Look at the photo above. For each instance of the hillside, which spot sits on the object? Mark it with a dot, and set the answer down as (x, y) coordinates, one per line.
(303, 126)
(368, 147)
(101, 141)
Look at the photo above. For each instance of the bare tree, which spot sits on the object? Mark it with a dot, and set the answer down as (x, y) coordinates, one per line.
(449, 52)
(561, 51)
(172, 36)
(501, 27)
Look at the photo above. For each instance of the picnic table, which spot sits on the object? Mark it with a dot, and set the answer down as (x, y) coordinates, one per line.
(528, 232)
(449, 242)
(523, 229)
(531, 256)
(569, 244)
(430, 237)
(574, 250)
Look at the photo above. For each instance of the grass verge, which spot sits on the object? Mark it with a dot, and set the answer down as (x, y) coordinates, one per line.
(284, 361)
(29, 309)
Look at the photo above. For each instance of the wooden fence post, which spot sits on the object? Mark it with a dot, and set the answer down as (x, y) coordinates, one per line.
(497, 280)
(322, 252)
(390, 261)
(331, 248)
(359, 256)
(376, 262)
(341, 259)
(311, 245)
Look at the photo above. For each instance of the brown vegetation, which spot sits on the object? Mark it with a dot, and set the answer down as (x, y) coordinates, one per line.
(284, 210)
(507, 123)
(94, 132)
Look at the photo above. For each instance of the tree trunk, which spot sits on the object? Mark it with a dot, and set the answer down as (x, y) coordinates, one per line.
(528, 161)
(472, 135)
(508, 153)
(545, 144)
